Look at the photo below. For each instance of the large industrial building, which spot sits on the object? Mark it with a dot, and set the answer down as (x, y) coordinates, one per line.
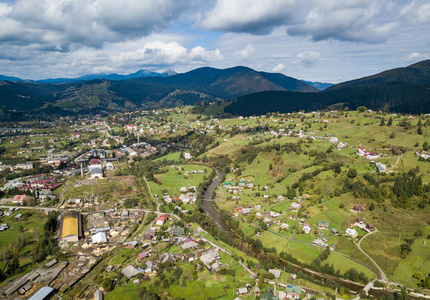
(70, 227)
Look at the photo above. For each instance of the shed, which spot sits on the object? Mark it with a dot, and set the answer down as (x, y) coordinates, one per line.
(42, 294)
(99, 238)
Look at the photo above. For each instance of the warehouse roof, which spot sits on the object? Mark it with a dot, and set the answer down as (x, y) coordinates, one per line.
(70, 224)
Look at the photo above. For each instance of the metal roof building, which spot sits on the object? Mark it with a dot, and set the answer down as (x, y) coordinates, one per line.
(43, 293)
(70, 227)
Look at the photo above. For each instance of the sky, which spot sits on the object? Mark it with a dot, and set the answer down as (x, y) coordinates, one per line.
(315, 40)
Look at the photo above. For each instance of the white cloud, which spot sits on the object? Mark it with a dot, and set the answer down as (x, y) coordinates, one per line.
(349, 20)
(415, 56)
(252, 16)
(246, 53)
(417, 12)
(308, 58)
(200, 54)
(279, 68)
(161, 53)
(71, 24)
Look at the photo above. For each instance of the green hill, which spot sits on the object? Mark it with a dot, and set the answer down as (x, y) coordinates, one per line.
(418, 73)
(233, 82)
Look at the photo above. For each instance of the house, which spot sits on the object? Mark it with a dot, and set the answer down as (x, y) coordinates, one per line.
(332, 247)
(285, 226)
(209, 257)
(322, 225)
(241, 291)
(320, 241)
(176, 231)
(19, 199)
(351, 233)
(370, 227)
(167, 257)
(238, 208)
(334, 231)
(381, 167)
(130, 127)
(306, 228)
(276, 273)
(274, 214)
(358, 208)
(149, 234)
(227, 185)
(150, 264)
(267, 220)
(256, 291)
(187, 155)
(3, 227)
(76, 135)
(295, 205)
(142, 256)
(132, 244)
(293, 291)
(359, 221)
(130, 271)
(27, 166)
(161, 220)
(245, 211)
(189, 245)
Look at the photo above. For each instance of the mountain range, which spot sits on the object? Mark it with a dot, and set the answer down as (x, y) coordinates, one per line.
(401, 90)
(114, 76)
(204, 84)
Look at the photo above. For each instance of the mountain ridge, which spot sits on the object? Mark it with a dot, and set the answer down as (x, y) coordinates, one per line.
(417, 73)
(199, 85)
(403, 90)
(230, 82)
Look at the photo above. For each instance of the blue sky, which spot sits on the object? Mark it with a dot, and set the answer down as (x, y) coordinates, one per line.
(317, 40)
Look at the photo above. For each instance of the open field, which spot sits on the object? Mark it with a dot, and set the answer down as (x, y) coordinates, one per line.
(173, 179)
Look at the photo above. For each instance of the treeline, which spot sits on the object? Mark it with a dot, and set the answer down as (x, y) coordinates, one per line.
(402, 190)
(396, 97)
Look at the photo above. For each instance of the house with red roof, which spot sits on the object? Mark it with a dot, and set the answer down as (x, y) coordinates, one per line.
(19, 199)
(161, 220)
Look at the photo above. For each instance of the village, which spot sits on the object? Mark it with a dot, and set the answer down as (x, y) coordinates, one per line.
(122, 227)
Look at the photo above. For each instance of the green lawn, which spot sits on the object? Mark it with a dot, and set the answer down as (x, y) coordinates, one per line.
(416, 261)
(173, 179)
(170, 156)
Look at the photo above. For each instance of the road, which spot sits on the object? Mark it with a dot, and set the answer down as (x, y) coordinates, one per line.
(381, 276)
(82, 212)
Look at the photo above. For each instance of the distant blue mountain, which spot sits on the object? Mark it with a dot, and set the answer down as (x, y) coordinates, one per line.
(114, 76)
(9, 78)
(319, 85)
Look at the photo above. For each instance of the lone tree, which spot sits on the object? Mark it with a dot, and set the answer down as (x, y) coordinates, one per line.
(361, 109)
(390, 121)
(352, 173)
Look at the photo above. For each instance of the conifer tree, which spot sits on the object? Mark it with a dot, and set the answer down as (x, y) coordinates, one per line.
(390, 121)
